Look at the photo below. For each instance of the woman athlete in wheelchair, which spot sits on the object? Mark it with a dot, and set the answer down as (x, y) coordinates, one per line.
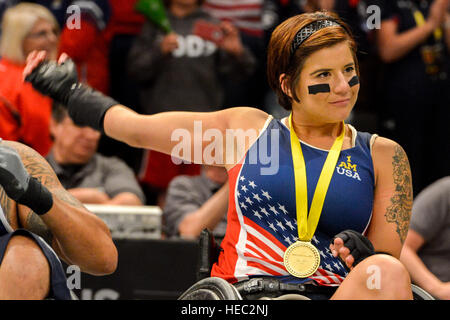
(314, 204)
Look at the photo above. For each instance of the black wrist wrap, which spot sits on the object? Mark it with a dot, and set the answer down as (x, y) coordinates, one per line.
(360, 247)
(37, 197)
(87, 107)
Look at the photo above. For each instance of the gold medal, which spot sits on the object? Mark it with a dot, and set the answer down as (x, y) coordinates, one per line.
(301, 259)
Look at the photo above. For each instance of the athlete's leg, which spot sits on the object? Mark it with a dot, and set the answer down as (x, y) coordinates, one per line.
(24, 271)
(378, 277)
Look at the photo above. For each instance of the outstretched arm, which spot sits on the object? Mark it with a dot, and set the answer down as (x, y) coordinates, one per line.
(162, 132)
(192, 132)
(77, 236)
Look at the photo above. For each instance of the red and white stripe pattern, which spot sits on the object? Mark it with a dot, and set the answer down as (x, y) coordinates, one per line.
(244, 14)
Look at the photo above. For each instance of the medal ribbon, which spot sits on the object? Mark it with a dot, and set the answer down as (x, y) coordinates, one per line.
(307, 224)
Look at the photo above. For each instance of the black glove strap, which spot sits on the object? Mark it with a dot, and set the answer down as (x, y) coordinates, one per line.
(87, 107)
(37, 197)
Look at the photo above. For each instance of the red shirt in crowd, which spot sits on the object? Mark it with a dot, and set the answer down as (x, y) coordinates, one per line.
(24, 112)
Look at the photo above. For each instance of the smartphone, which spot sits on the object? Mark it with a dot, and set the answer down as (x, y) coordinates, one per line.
(208, 31)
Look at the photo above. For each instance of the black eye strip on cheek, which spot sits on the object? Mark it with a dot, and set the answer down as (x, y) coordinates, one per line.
(319, 88)
(353, 81)
(325, 87)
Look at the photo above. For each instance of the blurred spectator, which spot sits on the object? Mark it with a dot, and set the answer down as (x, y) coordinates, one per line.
(123, 27)
(25, 113)
(426, 253)
(124, 24)
(82, 25)
(196, 203)
(180, 71)
(87, 175)
(83, 39)
(413, 42)
(4, 5)
(246, 15)
(87, 35)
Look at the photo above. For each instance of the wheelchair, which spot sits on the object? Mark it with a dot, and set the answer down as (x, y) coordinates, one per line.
(214, 288)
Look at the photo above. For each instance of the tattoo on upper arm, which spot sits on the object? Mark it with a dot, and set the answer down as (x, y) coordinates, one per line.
(38, 167)
(399, 211)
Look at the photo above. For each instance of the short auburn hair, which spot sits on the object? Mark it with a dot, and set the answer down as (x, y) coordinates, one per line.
(281, 60)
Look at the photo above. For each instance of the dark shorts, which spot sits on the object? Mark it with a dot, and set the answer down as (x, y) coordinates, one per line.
(58, 283)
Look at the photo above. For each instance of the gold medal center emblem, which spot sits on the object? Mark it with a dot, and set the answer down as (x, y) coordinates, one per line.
(301, 259)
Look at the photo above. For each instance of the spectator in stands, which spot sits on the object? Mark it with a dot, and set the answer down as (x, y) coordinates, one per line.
(5, 4)
(84, 41)
(414, 41)
(24, 112)
(196, 203)
(180, 71)
(246, 16)
(87, 175)
(426, 253)
(124, 25)
(82, 25)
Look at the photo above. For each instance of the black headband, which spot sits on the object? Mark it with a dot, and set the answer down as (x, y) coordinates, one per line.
(305, 32)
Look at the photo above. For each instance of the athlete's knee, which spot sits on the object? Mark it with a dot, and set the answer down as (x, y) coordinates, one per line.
(388, 274)
(25, 260)
(389, 266)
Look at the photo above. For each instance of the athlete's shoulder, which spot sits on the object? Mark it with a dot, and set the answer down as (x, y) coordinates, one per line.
(386, 147)
(246, 118)
(389, 157)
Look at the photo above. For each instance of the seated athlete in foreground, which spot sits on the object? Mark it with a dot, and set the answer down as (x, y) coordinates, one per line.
(35, 207)
(366, 179)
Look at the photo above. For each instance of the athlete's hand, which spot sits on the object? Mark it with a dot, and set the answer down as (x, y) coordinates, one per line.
(86, 106)
(50, 78)
(351, 247)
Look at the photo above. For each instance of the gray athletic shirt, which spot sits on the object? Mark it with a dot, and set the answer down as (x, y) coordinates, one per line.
(110, 174)
(431, 219)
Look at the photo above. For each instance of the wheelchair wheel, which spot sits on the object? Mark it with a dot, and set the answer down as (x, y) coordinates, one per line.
(420, 294)
(212, 288)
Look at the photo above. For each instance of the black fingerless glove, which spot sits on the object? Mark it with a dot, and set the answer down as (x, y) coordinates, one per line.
(86, 106)
(54, 80)
(360, 247)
